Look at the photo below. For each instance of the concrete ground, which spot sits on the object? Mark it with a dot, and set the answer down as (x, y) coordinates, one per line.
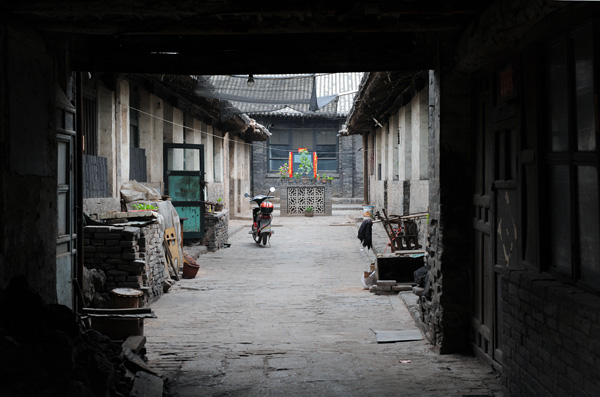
(293, 319)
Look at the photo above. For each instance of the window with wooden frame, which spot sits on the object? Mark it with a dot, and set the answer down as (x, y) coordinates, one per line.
(572, 244)
(90, 121)
(321, 140)
(134, 117)
(279, 149)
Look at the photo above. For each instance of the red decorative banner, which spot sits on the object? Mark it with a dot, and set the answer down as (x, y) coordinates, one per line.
(291, 165)
(315, 164)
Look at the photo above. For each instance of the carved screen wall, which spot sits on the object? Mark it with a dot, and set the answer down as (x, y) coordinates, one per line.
(301, 197)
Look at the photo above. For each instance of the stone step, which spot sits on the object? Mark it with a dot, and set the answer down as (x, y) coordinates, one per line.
(334, 207)
(348, 200)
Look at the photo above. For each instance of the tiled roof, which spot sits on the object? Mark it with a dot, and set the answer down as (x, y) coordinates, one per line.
(345, 84)
(283, 94)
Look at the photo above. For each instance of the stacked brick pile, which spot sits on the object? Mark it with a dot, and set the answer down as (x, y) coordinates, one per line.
(216, 230)
(130, 257)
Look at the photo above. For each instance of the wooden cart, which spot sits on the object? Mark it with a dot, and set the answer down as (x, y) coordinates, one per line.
(402, 230)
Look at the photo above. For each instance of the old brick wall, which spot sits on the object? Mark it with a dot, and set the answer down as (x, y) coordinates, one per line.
(551, 337)
(446, 310)
(348, 182)
(350, 168)
(130, 257)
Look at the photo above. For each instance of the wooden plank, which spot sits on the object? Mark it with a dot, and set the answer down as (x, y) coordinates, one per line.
(171, 239)
(172, 270)
(139, 310)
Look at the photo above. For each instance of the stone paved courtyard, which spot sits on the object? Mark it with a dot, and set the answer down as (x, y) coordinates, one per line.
(293, 319)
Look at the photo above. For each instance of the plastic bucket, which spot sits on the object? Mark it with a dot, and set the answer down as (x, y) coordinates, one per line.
(368, 211)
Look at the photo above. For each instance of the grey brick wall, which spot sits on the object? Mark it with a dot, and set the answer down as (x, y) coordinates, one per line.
(446, 310)
(348, 180)
(351, 171)
(551, 337)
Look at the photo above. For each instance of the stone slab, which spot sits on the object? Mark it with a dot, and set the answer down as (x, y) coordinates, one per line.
(391, 336)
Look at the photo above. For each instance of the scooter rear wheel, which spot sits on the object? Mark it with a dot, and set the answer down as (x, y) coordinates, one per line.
(265, 236)
(256, 237)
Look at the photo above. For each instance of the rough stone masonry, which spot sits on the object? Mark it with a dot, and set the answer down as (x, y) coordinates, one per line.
(130, 257)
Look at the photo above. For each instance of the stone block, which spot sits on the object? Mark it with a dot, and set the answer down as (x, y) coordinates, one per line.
(402, 287)
(98, 229)
(107, 236)
(112, 242)
(117, 272)
(129, 284)
(132, 270)
(381, 283)
(130, 230)
(130, 256)
(135, 343)
(117, 261)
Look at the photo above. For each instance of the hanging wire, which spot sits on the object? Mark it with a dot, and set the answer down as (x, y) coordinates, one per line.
(222, 137)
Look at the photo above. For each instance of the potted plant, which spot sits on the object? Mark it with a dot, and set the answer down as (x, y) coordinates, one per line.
(297, 176)
(143, 207)
(283, 171)
(309, 211)
(220, 205)
(305, 166)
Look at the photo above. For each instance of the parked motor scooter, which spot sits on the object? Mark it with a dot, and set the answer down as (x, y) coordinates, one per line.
(262, 217)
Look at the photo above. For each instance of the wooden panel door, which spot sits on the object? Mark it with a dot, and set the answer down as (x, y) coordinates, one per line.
(66, 247)
(184, 183)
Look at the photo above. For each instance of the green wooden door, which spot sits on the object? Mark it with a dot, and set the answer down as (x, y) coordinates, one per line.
(184, 183)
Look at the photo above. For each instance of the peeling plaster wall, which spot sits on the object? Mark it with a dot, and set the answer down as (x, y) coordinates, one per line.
(402, 149)
(215, 189)
(395, 197)
(122, 132)
(29, 161)
(107, 142)
(239, 179)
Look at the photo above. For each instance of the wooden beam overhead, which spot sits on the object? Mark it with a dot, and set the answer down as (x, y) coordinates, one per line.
(255, 54)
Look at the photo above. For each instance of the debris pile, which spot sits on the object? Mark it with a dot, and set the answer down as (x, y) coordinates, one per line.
(47, 352)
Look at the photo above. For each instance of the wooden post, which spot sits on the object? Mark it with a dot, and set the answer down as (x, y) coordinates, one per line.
(365, 144)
